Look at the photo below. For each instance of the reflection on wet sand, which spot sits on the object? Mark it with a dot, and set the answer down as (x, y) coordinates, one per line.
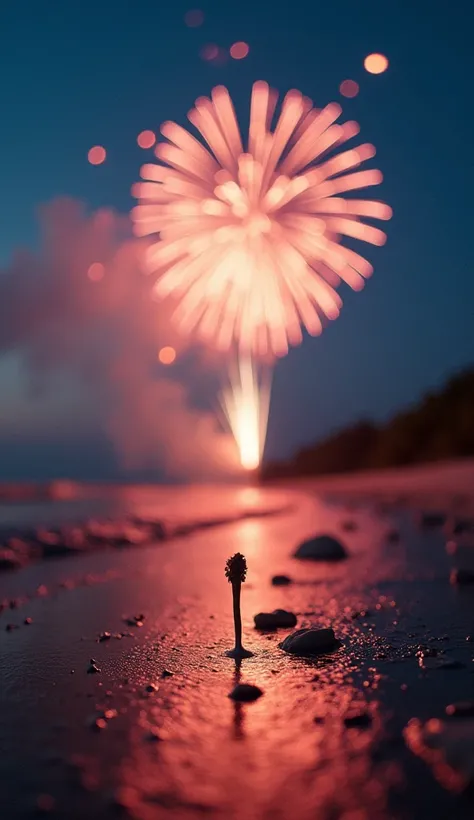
(326, 738)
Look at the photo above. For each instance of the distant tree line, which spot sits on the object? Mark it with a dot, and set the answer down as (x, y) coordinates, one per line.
(440, 427)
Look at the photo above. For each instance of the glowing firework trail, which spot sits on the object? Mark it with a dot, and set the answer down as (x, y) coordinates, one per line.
(245, 403)
(249, 239)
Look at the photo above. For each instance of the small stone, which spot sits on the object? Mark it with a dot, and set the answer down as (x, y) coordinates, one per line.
(28, 621)
(463, 708)
(11, 627)
(152, 736)
(135, 620)
(245, 693)
(151, 688)
(432, 520)
(93, 669)
(461, 577)
(281, 580)
(278, 619)
(310, 642)
(9, 559)
(462, 525)
(104, 636)
(360, 719)
(167, 674)
(321, 548)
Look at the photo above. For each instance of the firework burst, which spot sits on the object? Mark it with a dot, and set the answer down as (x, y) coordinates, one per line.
(249, 240)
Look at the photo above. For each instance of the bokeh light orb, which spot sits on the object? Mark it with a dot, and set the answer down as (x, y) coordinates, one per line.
(167, 355)
(210, 52)
(376, 63)
(96, 272)
(194, 18)
(146, 139)
(97, 155)
(349, 88)
(239, 50)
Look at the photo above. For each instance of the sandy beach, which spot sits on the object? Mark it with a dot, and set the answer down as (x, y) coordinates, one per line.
(153, 734)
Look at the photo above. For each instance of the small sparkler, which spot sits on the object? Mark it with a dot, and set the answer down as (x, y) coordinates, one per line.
(245, 402)
(236, 572)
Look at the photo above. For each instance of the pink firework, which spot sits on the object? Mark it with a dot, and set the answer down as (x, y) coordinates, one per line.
(249, 240)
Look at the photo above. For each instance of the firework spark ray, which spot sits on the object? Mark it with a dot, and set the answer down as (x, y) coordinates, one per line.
(245, 402)
(249, 239)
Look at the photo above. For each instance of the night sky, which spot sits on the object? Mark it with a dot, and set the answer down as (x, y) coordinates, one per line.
(79, 73)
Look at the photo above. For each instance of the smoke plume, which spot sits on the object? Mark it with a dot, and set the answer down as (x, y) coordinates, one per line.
(80, 311)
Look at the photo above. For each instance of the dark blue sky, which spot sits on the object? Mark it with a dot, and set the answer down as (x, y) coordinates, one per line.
(78, 73)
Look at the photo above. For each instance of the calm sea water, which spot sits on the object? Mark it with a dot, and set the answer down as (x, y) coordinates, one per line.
(159, 502)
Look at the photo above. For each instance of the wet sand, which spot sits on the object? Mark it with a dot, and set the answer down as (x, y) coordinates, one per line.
(132, 740)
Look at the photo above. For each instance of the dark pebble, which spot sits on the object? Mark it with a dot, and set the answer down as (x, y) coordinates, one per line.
(305, 642)
(11, 627)
(321, 548)
(278, 619)
(245, 693)
(281, 580)
(151, 688)
(28, 621)
(167, 674)
(152, 736)
(93, 669)
(359, 719)
(104, 636)
(431, 520)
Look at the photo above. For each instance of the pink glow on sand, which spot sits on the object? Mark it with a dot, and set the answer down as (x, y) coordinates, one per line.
(249, 241)
(376, 63)
(239, 50)
(194, 18)
(96, 155)
(349, 88)
(146, 139)
(96, 272)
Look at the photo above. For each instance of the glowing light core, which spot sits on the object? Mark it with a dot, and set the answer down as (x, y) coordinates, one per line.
(245, 403)
(376, 63)
(167, 355)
